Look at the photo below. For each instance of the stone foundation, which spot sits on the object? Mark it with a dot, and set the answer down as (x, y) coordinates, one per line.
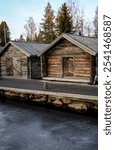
(75, 104)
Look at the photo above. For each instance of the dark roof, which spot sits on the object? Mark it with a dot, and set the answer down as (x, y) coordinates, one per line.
(88, 44)
(29, 49)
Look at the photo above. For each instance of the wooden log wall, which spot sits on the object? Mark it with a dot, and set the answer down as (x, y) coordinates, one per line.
(82, 61)
(14, 63)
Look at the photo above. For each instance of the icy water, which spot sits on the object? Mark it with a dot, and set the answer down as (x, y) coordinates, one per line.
(25, 127)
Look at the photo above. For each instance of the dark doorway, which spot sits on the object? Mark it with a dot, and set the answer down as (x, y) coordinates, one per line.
(35, 68)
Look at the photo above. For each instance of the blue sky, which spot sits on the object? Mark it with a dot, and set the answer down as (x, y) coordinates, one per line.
(16, 12)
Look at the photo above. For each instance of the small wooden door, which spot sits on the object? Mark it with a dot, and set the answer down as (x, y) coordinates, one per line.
(17, 68)
(9, 66)
(68, 67)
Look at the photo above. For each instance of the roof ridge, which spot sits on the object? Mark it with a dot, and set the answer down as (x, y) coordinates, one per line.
(27, 42)
(80, 35)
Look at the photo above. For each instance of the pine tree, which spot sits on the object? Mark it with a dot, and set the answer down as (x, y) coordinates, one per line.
(95, 23)
(48, 25)
(64, 23)
(4, 33)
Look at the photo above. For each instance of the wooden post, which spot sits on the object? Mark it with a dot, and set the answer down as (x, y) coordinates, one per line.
(41, 61)
(29, 67)
(45, 86)
(96, 74)
(93, 70)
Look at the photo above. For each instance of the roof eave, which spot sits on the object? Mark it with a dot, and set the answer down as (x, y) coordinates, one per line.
(24, 52)
(85, 48)
(64, 35)
(52, 44)
(10, 42)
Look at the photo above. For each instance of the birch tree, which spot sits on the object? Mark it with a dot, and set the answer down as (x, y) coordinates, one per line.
(77, 17)
(95, 23)
(30, 29)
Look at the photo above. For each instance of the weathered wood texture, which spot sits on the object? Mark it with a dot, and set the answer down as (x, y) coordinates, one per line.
(67, 60)
(15, 64)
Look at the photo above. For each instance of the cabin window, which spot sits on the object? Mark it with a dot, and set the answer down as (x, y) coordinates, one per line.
(68, 66)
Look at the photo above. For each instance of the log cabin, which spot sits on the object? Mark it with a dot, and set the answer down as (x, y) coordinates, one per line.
(1, 48)
(71, 58)
(20, 60)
